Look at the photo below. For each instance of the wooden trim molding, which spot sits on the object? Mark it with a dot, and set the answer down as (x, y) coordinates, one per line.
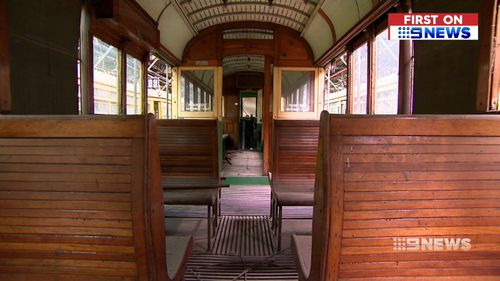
(329, 23)
(488, 81)
(406, 63)
(144, 83)
(371, 73)
(122, 80)
(5, 90)
(86, 61)
(367, 20)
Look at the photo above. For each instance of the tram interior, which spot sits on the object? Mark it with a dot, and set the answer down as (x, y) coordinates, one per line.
(246, 140)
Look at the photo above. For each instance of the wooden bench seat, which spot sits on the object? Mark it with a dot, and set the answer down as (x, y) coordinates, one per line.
(189, 156)
(80, 200)
(405, 198)
(295, 144)
(294, 192)
(199, 196)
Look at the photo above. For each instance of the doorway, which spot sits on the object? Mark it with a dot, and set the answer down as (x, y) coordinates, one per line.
(249, 121)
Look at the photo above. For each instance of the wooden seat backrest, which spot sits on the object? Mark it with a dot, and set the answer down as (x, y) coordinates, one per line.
(188, 148)
(399, 189)
(295, 144)
(80, 199)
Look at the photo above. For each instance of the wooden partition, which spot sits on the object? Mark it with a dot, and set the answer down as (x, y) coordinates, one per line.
(189, 149)
(295, 144)
(80, 200)
(407, 198)
(189, 156)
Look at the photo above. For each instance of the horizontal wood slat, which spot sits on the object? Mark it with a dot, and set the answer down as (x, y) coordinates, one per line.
(71, 126)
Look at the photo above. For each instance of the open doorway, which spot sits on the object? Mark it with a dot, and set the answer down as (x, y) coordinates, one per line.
(246, 159)
(250, 124)
(242, 91)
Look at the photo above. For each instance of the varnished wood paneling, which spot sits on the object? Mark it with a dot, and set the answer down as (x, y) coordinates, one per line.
(188, 148)
(426, 177)
(295, 149)
(66, 216)
(288, 48)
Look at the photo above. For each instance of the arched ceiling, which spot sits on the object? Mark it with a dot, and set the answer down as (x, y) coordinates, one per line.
(242, 63)
(320, 22)
(204, 13)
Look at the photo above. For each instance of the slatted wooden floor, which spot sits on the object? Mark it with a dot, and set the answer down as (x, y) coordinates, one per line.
(212, 267)
(238, 255)
(243, 236)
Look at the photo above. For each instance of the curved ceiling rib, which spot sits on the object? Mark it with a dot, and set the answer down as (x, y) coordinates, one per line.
(205, 13)
(242, 16)
(255, 3)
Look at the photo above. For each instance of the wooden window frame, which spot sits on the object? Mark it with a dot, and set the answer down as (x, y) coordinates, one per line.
(112, 34)
(368, 36)
(124, 48)
(216, 100)
(487, 98)
(366, 31)
(318, 90)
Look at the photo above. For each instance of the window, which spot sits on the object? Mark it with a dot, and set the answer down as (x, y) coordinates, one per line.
(159, 88)
(106, 97)
(360, 78)
(193, 83)
(134, 95)
(335, 98)
(117, 76)
(366, 79)
(386, 84)
(248, 107)
(296, 92)
(199, 92)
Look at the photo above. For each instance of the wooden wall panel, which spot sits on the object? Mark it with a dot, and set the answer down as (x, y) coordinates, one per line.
(288, 47)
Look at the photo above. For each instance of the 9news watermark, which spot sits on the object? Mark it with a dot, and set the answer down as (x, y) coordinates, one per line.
(433, 26)
(431, 244)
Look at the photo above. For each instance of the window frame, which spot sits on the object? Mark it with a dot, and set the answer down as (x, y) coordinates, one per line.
(488, 88)
(367, 36)
(216, 100)
(124, 47)
(318, 89)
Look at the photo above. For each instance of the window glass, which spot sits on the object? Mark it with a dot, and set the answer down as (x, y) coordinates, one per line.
(159, 88)
(106, 97)
(386, 85)
(335, 98)
(197, 90)
(359, 73)
(297, 91)
(134, 95)
(249, 107)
